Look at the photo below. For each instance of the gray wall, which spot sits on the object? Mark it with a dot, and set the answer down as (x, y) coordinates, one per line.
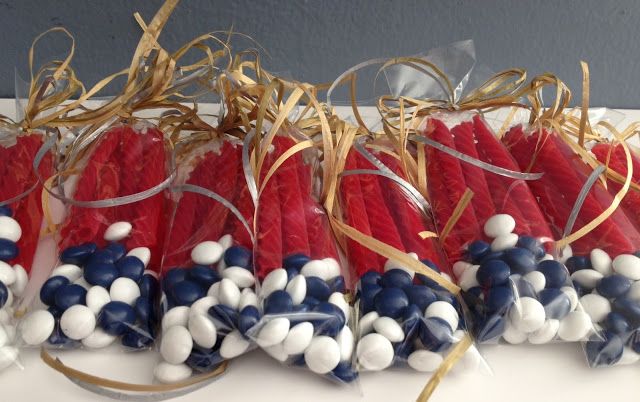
(317, 40)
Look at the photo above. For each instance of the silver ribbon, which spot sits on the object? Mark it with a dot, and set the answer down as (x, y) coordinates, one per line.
(582, 196)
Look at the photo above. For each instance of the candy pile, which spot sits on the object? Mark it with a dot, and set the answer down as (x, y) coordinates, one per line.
(514, 289)
(306, 317)
(405, 318)
(97, 295)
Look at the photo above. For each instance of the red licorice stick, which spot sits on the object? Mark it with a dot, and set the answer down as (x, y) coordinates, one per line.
(292, 206)
(563, 179)
(474, 176)
(452, 183)
(245, 206)
(380, 220)
(131, 151)
(353, 207)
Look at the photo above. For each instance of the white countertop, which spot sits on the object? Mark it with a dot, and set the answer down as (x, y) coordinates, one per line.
(524, 373)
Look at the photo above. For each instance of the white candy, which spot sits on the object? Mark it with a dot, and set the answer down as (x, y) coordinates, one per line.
(203, 331)
(274, 331)
(333, 268)
(7, 274)
(214, 290)
(21, 281)
(297, 289)
(459, 268)
(117, 231)
(536, 279)
(69, 271)
(547, 257)
(298, 338)
(36, 327)
(527, 314)
(125, 290)
(275, 280)
(142, 253)
(225, 242)
(575, 326)
(345, 342)
(470, 362)
(248, 299)
(4, 337)
(277, 352)
(389, 328)
(374, 352)
(596, 306)
(572, 294)
(8, 355)
(240, 276)
(322, 355)
(10, 229)
(392, 264)
(565, 254)
(202, 305)
(207, 253)
(317, 268)
(234, 344)
(168, 373)
(77, 322)
(176, 345)
(498, 225)
(96, 298)
(82, 282)
(627, 265)
(504, 242)
(513, 335)
(546, 333)
(445, 311)
(468, 279)
(229, 294)
(337, 299)
(10, 331)
(177, 316)
(629, 356)
(98, 339)
(424, 360)
(5, 317)
(587, 278)
(601, 262)
(365, 325)
(9, 301)
(634, 291)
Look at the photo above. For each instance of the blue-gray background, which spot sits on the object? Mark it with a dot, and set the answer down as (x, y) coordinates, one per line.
(317, 40)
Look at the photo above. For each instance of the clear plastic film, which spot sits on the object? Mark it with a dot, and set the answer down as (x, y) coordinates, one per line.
(209, 302)
(496, 236)
(604, 265)
(103, 288)
(307, 319)
(404, 318)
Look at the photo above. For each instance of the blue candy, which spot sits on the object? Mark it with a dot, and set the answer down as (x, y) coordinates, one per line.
(8, 250)
(143, 308)
(5, 211)
(436, 334)
(55, 311)
(520, 260)
(629, 308)
(370, 278)
(499, 299)
(391, 302)
(278, 302)
(4, 294)
(396, 278)
(68, 295)
(475, 291)
(186, 292)
(291, 273)
(100, 273)
(493, 273)
(491, 327)
(428, 282)
(318, 288)
(136, 338)
(117, 250)
(224, 316)
(634, 341)
(606, 351)
(249, 316)
(576, 263)
(613, 286)
(524, 288)
(50, 287)
(420, 295)
(311, 302)
(295, 261)
(337, 284)
(532, 244)
(203, 275)
(148, 286)
(173, 276)
(554, 273)
(478, 249)
(130, 267)
(204, 360)
(101, 256)
(616, 323)
(402, 350)
(494, 255)
(238, 256)
(332, 323)
(344, 372)
(412, 315)
(116, 318)
(556, 303)
(78, 254)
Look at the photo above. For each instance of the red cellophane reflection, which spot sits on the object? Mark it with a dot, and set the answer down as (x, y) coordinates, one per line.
(378, 207)
(125, 161)
(17, 177)
(290, 219)
(564, 177)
